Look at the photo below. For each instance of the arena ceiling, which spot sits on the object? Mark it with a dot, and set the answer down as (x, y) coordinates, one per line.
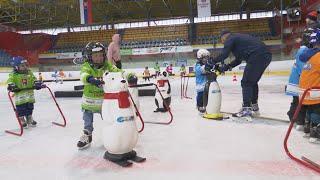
(38, 14)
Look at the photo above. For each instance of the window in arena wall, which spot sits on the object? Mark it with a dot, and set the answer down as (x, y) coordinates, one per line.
(49, 31)
(24, 32)
(134, 24)
(60, 30)
(217, 18)
(244, 16)
(170, 22)
(94, 27)
(261, 14)
(76, 29)
(142, 24)
(234, 17)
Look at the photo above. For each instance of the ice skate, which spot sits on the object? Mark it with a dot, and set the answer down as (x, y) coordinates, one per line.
(23, 122)
(31, 122)
(245, 114)
(255, 110)
(85, 140)
(315, 134)
(201, 110)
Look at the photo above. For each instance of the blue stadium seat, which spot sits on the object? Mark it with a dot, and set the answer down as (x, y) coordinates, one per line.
(5, 58)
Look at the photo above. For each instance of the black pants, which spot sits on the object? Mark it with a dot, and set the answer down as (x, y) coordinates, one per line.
(200, 99)
(157, 73)
(25, 109)
(313, 114)
(118, 64)
(302, 114)
(165, 104)
(256, 65)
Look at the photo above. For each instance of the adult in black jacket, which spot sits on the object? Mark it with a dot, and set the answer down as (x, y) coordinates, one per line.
(257, 57)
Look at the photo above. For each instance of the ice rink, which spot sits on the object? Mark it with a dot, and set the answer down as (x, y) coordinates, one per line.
(189, 148)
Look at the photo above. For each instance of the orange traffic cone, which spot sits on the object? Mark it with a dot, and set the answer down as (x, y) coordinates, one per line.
(234, 77)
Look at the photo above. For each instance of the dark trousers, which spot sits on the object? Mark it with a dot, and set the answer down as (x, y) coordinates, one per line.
(118, 64)
(313, 114)
(157, 73)
(256, 65)
(146, 78)
(25, 109)
(302, 114)
(200, 99)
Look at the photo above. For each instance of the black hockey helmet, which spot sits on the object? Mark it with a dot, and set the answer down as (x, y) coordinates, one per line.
(93, 47)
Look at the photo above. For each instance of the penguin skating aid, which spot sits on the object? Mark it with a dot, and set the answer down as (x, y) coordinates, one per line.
(136, 99)
(212, 98)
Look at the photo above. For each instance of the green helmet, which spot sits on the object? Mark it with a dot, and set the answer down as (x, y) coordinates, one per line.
(132, 78)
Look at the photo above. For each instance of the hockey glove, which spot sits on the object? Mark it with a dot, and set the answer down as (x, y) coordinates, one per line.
(223, 67)
(12, 88)
(95, 81)
(208, 67)
(39, 85)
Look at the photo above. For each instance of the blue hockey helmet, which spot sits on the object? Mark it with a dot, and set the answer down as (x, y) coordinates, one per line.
(17, 61)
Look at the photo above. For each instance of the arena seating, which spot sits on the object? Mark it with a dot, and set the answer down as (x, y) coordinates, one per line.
(155, 36)
(156, 32)
(132, 38)
(69, 40)
(208, 33)
(5, 59)
(158, 36)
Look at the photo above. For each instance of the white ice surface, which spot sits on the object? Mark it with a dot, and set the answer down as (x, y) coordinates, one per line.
(189, 148)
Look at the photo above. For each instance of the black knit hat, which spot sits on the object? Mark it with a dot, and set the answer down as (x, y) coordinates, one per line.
(224, 31)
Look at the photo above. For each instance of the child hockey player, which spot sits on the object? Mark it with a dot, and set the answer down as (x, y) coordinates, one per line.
(22, 82)
(156, 69)
(203, 56)
(292, 88)
(40, 77)
(146, 74)
(61, 76)
(310, 78)
(91, 75)
(169, 70)
(183, 70)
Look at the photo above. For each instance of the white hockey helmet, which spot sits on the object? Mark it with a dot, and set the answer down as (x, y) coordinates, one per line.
(203, 53)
